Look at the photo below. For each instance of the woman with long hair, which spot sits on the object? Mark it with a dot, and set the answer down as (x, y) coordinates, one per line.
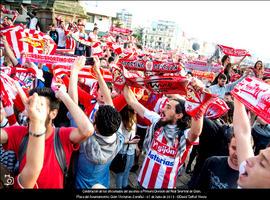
(128, 127)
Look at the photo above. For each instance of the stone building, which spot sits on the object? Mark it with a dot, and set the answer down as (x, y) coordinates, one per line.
(47, 10)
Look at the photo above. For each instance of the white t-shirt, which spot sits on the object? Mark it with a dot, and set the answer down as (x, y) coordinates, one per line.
(128, 136)
(93, 36)
(62, 37)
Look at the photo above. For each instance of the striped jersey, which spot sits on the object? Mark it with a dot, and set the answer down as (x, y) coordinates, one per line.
(164, 157)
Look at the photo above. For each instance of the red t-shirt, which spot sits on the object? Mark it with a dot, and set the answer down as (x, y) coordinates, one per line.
(51, 175)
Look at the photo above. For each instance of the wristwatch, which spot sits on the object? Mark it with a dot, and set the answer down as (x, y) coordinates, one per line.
(36, 135)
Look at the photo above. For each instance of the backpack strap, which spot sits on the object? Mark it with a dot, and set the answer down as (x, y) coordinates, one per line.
(59, 152)
(22, 148)
(21, 153)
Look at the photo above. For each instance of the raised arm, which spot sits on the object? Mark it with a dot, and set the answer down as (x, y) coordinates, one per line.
(3, 134)
(242, 131)
(133, 102)
(238, 63)
(195, 129)
(72, 87)
(36, 144)
(196, 124)
(85, 127)
(102, 84)
(229, 87)
(9, 51)
(24, 8)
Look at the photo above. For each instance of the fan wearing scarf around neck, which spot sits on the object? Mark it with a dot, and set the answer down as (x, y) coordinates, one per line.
(168, 140)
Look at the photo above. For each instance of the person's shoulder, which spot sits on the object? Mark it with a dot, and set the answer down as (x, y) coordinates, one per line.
(213, 86)
(19, 129)
(65, 130)
(216, 159)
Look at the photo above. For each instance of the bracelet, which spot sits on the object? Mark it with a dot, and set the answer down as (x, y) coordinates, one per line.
(36, 135)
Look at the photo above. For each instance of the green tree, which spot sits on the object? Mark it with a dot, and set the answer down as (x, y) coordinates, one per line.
(117, 23)
(138, 33)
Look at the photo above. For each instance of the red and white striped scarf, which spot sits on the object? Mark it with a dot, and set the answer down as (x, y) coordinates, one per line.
(26, 40)
(87, 72)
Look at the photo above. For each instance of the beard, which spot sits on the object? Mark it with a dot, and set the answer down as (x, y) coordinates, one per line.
(164, 123)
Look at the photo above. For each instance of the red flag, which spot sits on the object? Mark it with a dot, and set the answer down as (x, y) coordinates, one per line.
(233, 52)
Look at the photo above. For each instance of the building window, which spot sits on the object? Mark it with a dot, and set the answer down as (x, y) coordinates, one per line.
(91, 19)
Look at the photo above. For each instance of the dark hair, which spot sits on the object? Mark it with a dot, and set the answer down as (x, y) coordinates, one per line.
(95, 28)
(49, 93)
(228, 117)
(110, 59)
(128, 117)
(139, 46)
(222, 76)
(228, 134)
(227, 67)
(257, 63)
(34, 12)
(184, 122)
(224, 58)
(107, 120)
(265, 78)
(189, 72)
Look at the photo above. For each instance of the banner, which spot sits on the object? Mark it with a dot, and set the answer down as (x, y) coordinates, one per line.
(49, 59)
(86, 72)
(203, 66)
(203, 75)
(153, 66)
(233, 52)
(255, 95)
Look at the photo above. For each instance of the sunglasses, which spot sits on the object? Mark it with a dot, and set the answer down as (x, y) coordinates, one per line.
(81, 25)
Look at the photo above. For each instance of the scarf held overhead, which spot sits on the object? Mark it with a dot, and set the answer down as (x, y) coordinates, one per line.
(255, 95)
(233, 52)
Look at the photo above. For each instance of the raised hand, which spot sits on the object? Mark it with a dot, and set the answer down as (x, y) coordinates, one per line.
(97, 64)
(61, 91)
(79, 63)
(37, 109)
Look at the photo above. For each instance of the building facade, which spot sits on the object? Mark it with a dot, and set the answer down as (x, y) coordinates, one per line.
(161, 34)
(125, 17)
(98, 17)
(47, 10)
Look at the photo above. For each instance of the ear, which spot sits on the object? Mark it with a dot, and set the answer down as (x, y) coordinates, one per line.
(53, 114)
(179, 116)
